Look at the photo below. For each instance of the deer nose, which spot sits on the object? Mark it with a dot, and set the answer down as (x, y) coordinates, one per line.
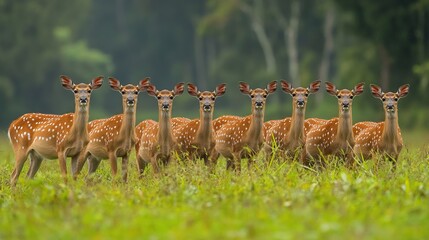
(390, 108)
(83, 100)
(346, 105)
(130, 101)
(165, 106)
(207, 107)
(259, 104)
(300, 103)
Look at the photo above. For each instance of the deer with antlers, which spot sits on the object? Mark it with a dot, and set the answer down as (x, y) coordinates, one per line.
(197, 137)
(114, 137)
(289, 134)
(243, 137)
(52, 136)
(383, 137)
(157, 140)
(335, 136)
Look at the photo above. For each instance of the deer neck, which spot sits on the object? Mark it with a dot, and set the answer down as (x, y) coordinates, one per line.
(165, 137)
(128, 123)
(391, 125)
(345, 127)
(205, 130)
(256, 125)
(80, 122)
(296, 130)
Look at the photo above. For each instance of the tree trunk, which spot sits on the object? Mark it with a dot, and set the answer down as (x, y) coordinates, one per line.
(200, 62)
(385, 67)
(255, 14)
(292, 46)
(328, 48)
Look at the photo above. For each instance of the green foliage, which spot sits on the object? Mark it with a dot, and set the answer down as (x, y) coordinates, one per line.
(275, 200)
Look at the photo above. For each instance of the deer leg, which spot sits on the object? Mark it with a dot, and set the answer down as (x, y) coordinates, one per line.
(34, 165)
(80, 162)
(93, 164)
(20, 158)
(154, 163)
(113, 164)
(237, 162)
(63, 165)
(141, 165)
(125, 168)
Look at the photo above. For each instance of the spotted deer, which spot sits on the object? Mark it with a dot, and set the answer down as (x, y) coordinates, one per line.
(197, 137)
(52, 136)
(382, 137)
(114, 137)
(335, 136)
(243, 137)
(289, 134)
(157, 141)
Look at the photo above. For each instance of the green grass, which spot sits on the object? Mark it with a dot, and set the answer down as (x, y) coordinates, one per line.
(279, 201)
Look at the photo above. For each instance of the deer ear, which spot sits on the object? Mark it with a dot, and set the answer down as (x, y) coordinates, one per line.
(66, 82)
(286, 87)
(143, 84)
(403, 90)
(271, 87)
(331, 89)
(97, 82)
(193, 90)
(179, 88)
(220, 89)
(244, 88)
(376, 91)
(115, 84)
(358, 90)
(314, 86)
(151, 90)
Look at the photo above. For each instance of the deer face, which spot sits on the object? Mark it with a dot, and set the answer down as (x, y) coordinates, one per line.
(207, 99)
(129, 92)
(165, 97)
(390, 99)
(258, 95)
(82, 91)
(345, 96)
(300, 94)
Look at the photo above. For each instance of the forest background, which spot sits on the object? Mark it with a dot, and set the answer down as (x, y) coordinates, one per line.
(208, 42)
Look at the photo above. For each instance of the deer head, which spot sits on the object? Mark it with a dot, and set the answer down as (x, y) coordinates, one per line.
(82, 91)
(207, 99)
(165, 97)
(258, 95)
(345, 96)
(129, 92)
(390, 99)
(300, 94)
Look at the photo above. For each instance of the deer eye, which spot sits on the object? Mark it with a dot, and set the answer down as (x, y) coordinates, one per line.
(338, 96)
(396, 99)
(383, 99)
(252, 96)
(159, 97)
(75, 91)
(89, 91)
(351, 97)
(136, 92)
(123, 92)
(213, 98)
(171, 97)
(293, 94)
(306, 94)
(265, 96)
(200, 98)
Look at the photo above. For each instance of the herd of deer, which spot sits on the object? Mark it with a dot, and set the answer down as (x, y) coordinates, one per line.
(71, 135)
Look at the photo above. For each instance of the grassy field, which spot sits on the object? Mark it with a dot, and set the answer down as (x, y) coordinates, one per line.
(278, 201)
